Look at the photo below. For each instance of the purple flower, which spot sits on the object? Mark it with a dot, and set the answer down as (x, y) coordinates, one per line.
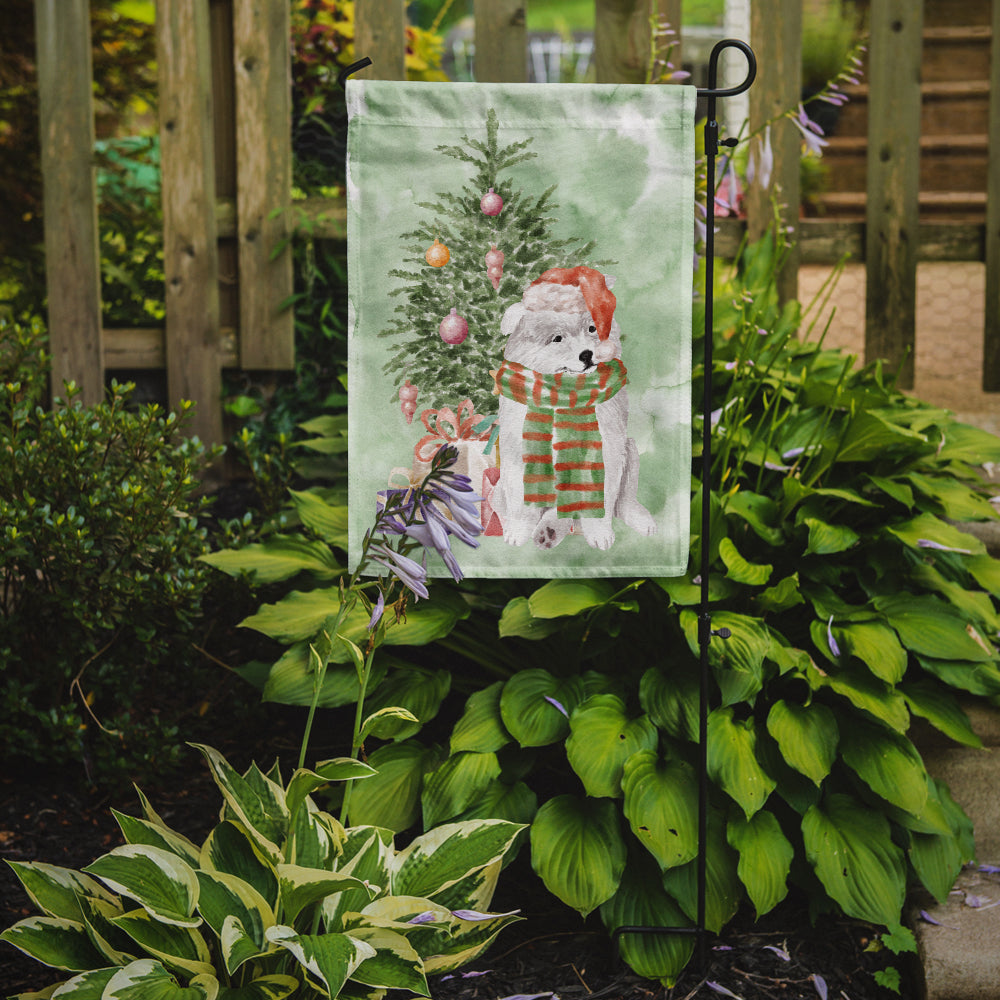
(927, 543)
(820, 983)
(780, 952)
(761, 163)
(834, 648)
(475, 915)
(427, 917)
(719, 988)
(377, 611)
(409, 571)
(811, 132)
(558, 705)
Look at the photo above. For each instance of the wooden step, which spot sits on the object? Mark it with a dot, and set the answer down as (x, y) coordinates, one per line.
(947, 162)
(956, 53)
(957, 206)
(939, 13)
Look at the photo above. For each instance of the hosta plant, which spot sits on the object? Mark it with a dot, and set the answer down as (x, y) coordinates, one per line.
(279, 900)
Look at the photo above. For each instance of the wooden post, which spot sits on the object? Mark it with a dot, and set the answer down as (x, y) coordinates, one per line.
(190, 254)
(621, 41)
(72, 256)
(262, 61)
(991, 333)
(501, 37)
(893, 182)
(380, 34)
(776, 34)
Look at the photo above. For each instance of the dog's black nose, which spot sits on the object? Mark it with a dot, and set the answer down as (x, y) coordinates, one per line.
(587, 357)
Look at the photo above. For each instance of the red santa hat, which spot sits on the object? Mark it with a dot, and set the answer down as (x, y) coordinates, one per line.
(574, 289)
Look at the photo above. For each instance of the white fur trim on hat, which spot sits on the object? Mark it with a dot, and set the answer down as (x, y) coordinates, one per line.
(547, 297)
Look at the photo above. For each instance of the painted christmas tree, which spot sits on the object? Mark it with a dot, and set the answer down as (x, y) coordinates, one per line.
(473, 256)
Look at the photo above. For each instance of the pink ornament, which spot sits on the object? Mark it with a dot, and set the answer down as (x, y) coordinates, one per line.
(408, 409)
(494, 265)
(408, 400)
(453, 329)
(492, 203)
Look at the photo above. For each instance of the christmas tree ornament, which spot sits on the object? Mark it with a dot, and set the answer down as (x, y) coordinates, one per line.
(408, 400)
(453, 329)
(494, 265)
(491, 203)
(437, 254)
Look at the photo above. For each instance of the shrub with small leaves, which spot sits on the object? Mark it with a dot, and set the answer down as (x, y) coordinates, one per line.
(100, 579)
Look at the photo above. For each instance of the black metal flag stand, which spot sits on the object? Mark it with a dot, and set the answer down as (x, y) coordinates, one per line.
(705, 630)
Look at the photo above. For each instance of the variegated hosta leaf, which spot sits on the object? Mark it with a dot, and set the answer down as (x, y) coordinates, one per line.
(56, 891)
(273, 987)
(367, 853)
(642, 902)
(54, 941)
(177, 947)
(300, 887)
(467, 940)
(256, 801)
(304, 782)
(456, 784)
(225, 897)
(391, 799)
(481, 727)
(602, 738)
(807, 736)
(888, 763)
(147, 979)
(86, 986)
(661, 799)
(158, 880)
(850, 847)
(116, 946)
(732, 760)
(315, 838)
(578, 851)
(395, 964)
(765, 858)
(141, 831)
(329, 959)
(230, 849)
(535, 706)
(723, 889)
(441, 857)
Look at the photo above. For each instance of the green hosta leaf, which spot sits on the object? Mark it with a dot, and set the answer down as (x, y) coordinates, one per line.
(869, 436)
(976, 678)
(850, 847)
(739, 569)
(515, 803)
(931, 628)
(827, 539)
(141, 831)
(641, 901)
(661, 798)
(957, 501)
(262, 812)
(56, 891)
(738, 661)
(328, 521)
(230, 849)
(225, 897)
(758, 511)
(723, 889)
(876, 646)
(783, 595)
(602, 738)
(578, 851)
(391, 798)
(937, 859)
(54, 941)
(438, 859)
(683, 591)
(517, 620)
(301, 887)
(395, 964)
(732, 760)
(527, 709)
(330, 959)
(865, 692)
(416, 689)
(274, 987)
(569, 597)
(279, 558)
(456, 784)
(671, 699)
(159, 881)
(986, 571)
(147, 979)
(941, 709)
(928, 528)
(973, 604)
(893, 488)
(965, 443)
(888, 763)
(180, 948)
(765, 858)
(481, 728)
(292, 680)
(807, 736)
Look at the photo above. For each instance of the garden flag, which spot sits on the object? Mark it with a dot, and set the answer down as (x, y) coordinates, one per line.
(520, 275)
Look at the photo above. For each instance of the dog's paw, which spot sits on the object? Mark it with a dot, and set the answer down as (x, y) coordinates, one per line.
(598, 533)
(550, 532)
(639, 519)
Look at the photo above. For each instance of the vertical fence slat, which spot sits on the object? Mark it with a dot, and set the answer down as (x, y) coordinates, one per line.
(190, 253)
(500, 41)
(991, 332)
(380, 34)
(262, 64)
(72, 257)
(776, 34)
(621, 40)
(892, 214)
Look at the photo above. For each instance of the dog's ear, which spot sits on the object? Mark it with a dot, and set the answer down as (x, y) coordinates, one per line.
(512, 319)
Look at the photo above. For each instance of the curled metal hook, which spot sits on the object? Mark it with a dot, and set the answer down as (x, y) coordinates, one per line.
(353, 68)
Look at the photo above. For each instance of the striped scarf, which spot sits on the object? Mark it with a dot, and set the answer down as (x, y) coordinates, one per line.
(561, 443)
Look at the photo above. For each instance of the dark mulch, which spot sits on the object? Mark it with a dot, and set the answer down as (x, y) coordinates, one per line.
(551, 951)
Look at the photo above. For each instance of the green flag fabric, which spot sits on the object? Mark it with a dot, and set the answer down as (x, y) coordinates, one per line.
(520, 280)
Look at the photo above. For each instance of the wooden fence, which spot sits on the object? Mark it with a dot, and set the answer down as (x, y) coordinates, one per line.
(226, 161)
